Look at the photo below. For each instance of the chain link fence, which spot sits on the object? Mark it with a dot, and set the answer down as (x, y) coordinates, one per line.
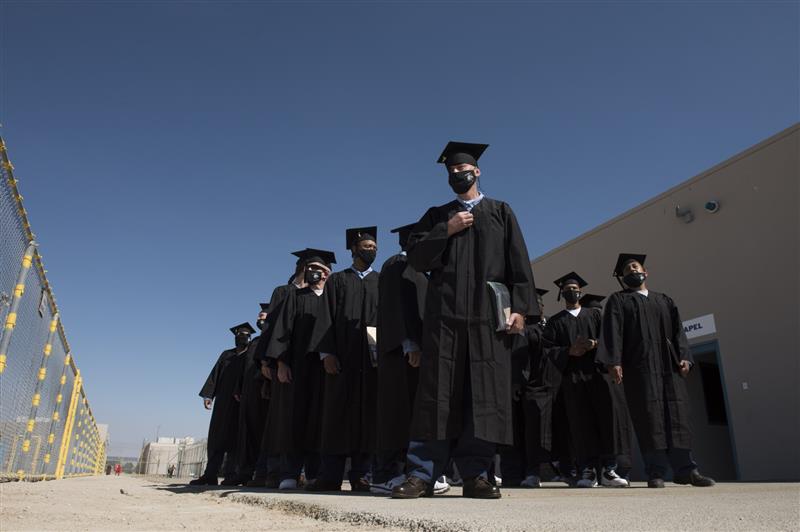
(47, 429)
(186, 460)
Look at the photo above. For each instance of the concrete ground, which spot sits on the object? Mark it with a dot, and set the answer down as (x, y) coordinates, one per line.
(96, 503)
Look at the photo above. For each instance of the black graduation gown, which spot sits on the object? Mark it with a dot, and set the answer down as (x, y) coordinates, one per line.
(299, 334)
(220, 385)
(349, 398)
(644, 334)
(253, 407)
(275, 304)
(459, 312)
(401, 300)
(541, 386)
(595, 410)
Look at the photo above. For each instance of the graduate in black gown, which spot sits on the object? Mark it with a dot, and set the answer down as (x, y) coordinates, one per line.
(644, 346)
(350, 388)
(267, 472)
(401, 303)
(218, 391)
(253, 406)
(463, 403)
(301, 331)
(519, 463)
(570, 339)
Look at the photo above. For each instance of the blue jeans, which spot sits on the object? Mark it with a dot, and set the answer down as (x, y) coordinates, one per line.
(427, 460)
(657, 461)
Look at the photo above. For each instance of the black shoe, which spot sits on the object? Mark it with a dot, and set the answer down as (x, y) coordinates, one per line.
(204, 481)
(235, 481)
(695, 479)
(257, 483)
(655, 482)
(319, 485)
(412, 488)
(480, 488)
(359, 484)
(272, 482)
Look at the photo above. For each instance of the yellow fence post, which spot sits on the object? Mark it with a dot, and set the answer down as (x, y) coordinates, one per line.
(67, 437)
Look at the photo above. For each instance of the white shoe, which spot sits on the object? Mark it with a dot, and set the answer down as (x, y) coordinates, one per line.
(498, 481)
(610, 479)
(531, 481)
(386, 487)
(588, 479)
(441, 486)
(288, 484)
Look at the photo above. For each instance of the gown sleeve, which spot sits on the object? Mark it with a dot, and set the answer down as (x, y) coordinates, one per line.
(428, 243)
(678, 334)
(208, 391)
(551, 349)
(519, 274)
(278, 348)
(609, 348)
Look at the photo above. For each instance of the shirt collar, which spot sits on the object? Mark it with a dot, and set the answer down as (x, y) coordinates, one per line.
(362, 274)
(470, 204)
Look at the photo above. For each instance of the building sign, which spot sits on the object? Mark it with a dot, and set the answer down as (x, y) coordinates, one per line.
(702, 326)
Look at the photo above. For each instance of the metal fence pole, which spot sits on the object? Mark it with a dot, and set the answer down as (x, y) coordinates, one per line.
(65, 439)
(11, 317)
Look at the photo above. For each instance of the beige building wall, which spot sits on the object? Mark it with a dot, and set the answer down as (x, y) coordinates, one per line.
(739, 264)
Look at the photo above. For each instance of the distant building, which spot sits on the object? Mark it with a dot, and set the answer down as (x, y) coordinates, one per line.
(725, 246)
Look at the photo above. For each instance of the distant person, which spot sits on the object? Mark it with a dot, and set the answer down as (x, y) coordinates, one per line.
(171, 471)
(117, 469)
(570, 339)
(109, 468)
(219, 391)
(645, 349)
(463, 403)
(299, 334)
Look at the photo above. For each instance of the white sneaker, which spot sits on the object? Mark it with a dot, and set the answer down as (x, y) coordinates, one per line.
(531, 481)
(588, 479)
(386, 487)
(498, 481)
(441, 486)
(610, 479)
(288, 484)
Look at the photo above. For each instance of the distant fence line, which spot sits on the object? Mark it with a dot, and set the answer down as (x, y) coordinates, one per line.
(47, 428)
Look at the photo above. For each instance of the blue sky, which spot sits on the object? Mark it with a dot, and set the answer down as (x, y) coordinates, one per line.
(172, 154)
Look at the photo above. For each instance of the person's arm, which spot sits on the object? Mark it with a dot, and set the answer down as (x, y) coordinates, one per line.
(609, 348)
(679, 340)
(428, 242)
(552, 347)
(519, 274)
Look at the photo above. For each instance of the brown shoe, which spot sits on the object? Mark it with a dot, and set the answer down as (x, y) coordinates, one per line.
(412, 488)
(480, 488)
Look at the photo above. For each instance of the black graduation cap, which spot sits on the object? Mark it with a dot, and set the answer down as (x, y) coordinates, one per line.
(541, 291)
(461, 153)
(354, 235)
(624, 259)
(571, 276)
(318, 255)
(246, 326)
(591, 300)
(299, 255)
(264, 307)
(405, 233)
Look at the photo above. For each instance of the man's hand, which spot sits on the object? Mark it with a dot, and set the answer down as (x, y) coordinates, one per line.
(685, 367)
(616, 373)
(579, 347)
(237, 397)
(265, 371)
(515, 323)
(331, 364)
(414, 358)
(459, 222)
(207, 404)
(284, 373)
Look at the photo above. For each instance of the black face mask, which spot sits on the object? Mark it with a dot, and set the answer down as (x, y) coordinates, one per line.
(260, 324)
(367, 255)
(571, 296)
(313, 276)
(242, 340)
(461, 182)
(634, 279)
